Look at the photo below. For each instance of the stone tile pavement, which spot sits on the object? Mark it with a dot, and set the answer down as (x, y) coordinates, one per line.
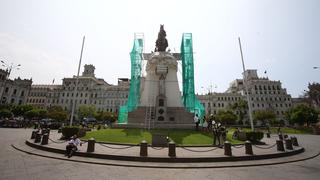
(18, 165)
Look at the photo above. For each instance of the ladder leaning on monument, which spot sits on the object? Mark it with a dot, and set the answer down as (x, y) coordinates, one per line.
(150, 114)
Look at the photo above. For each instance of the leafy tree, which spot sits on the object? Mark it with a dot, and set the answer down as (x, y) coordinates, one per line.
(303, 114)
(31, 114)
(226, 117)
(5, 113)
(58, 113)
(241, 106)
(20, 110)
(264, 115)
(87, 111)
(314, 93)
(104, 115)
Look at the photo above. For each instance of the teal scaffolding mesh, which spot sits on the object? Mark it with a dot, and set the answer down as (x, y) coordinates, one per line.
(189, 99)
(134, 92)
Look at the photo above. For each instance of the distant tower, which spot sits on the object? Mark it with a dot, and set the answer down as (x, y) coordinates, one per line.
(88, 70)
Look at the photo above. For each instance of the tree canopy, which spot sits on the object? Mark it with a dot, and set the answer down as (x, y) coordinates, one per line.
(302, 114)
(264, 115)
(226, 117)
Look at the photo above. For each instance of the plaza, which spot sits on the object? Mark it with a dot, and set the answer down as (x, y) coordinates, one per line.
(38, 164)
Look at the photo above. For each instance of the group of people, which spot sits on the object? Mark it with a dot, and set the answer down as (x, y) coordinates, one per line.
(72, 146)
(219, 132)
(206, 124)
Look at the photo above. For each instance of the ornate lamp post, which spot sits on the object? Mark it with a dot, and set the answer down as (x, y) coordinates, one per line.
(9, 67)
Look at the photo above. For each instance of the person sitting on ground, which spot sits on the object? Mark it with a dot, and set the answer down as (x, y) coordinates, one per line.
(72, 145)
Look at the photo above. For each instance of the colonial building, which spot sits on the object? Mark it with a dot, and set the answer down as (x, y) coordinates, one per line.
(213, 102)
(13, 91)
(90, 91)
(264, 94)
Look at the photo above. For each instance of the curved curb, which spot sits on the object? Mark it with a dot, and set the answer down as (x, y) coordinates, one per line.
(166, 166)
(170, 159)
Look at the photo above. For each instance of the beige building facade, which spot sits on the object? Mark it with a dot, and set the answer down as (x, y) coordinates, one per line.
(264, 94)
(13, 91)
(90, 91)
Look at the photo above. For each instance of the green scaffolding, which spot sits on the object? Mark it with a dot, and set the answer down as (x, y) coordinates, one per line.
(134, 92)
(189, 99)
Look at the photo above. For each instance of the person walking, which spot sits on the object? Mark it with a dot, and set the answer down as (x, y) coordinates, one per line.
(196, 121)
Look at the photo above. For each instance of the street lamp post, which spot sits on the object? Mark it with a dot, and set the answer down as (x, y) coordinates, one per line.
(9, 69)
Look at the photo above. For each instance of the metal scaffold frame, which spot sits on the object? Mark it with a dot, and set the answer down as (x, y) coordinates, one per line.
(189, 99)
(136, 69)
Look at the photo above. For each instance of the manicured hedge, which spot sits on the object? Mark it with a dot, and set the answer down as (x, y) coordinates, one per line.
(69, 131)
(250, 135)
(254, 136)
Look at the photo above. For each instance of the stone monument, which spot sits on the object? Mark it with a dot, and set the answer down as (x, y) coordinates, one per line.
(160, 103)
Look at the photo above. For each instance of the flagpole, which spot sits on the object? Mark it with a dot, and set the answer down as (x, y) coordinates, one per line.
(246, 87)
(76, 87)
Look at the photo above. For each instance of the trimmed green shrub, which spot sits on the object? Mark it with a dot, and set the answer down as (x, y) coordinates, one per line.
(254, 136)
(69, 131)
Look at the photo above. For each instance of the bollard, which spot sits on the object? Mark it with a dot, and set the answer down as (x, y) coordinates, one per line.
(172, 149)
(143, 148)
(43, 131)
(280, 146)
(45, 138)
(38, 138)
(281, 137)
(268, 135)
(91, 143)
(289, 144)
(248, 146)
(33, 135)
(60, 130)
(227, 148)
(294, 141)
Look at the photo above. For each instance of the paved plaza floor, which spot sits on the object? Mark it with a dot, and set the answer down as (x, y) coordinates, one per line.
(15, 164)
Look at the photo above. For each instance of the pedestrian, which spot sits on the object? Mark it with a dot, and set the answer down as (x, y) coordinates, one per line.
(196, 121)
(204, 125)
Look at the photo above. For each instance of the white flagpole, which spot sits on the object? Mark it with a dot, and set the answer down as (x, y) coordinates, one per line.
(76, 88)
(246, 87)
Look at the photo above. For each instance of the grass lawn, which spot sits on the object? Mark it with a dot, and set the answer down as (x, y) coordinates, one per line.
(135, 136)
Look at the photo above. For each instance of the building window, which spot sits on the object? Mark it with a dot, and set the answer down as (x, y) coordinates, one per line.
(7, 89)
(22, 93)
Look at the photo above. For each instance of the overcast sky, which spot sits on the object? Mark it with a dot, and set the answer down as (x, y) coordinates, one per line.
(280, 37)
